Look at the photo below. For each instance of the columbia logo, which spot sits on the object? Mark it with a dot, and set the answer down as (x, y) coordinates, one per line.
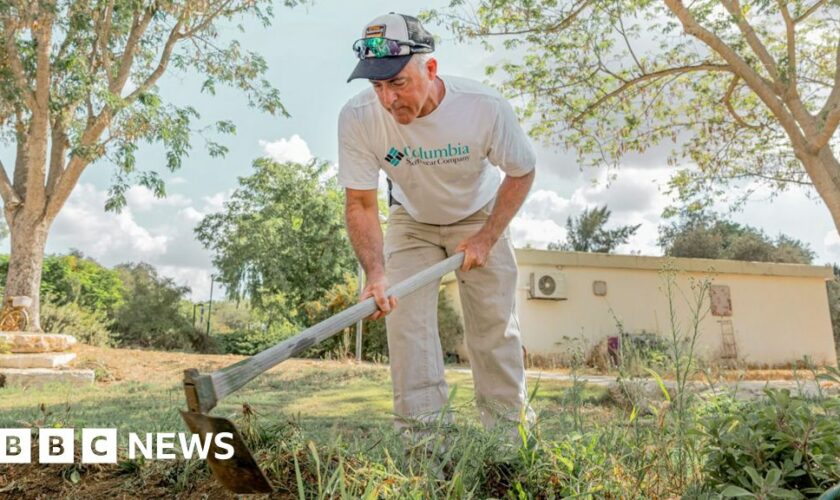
(394, 157)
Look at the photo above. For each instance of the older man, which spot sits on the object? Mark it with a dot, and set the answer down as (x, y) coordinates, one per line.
(441, 141)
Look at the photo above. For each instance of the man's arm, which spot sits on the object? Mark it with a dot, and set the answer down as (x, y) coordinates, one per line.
(512, 193)
(362, 213)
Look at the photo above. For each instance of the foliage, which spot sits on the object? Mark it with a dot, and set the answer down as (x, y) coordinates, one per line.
(782, 447)
(77, 279)
(704, 235)
(151, 316)
(88, 326)
(83, 56)
(230, 316)
(374, 338)
(281, 232)
(746, 90)
(253, 340)
(586, 232)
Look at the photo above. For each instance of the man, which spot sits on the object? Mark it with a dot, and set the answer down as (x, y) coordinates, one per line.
(439, 141)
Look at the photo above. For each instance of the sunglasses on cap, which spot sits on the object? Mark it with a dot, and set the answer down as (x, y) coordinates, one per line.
(378, 47)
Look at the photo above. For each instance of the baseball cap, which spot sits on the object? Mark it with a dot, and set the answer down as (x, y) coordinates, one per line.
(387, 44)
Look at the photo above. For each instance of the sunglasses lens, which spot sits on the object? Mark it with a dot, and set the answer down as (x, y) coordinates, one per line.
(378, 47)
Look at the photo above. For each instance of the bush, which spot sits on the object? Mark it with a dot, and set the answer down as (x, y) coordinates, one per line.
(151, 315)
(78, 279)
(782, 446)
(89, 327)
(250, 342)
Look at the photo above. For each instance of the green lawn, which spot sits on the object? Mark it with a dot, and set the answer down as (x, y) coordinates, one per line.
(334, 397)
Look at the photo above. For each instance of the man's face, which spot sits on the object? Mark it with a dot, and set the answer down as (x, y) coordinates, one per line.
(406, 95)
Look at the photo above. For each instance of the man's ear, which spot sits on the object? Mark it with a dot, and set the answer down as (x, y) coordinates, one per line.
(431, 68)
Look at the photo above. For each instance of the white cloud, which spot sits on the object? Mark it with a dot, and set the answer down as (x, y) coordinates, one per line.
(156, 234)
(631, 194)
(142, 199)
(832, 242)
(84, 224)
(538, 233)
(283, 150)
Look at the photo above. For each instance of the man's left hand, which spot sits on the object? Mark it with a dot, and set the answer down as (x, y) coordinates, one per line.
(476, 250)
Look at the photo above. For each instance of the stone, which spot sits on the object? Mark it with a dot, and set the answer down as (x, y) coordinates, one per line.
(24, 342)
(36, 360)
(32, 377)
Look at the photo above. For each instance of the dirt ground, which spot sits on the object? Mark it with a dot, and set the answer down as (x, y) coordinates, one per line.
(116, 365)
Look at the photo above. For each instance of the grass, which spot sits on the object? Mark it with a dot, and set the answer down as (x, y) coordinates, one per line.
(322, 429)
(325, 397)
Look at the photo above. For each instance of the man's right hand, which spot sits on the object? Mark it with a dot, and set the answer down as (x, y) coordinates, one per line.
(376, 288)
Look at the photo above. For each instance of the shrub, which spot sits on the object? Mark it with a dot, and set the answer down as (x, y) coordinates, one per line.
(250, 342)
(782, 446)
(89, 327)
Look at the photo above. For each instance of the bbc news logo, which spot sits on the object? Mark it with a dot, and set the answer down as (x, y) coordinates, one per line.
(99, 446)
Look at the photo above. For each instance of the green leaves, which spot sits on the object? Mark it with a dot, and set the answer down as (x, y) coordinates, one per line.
(281, 233)
(782, 447)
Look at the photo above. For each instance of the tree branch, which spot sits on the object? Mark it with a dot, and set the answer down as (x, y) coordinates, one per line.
(764, 91)
(100, 43)
(734, 8)
(39, 123)
(58, 149)
(791, 95)
(558, 26)
(650, 76)
(13, 59)
(830, 112)
(829, 128)
(728, 103)
(10, 198)
(138, 27)
(627, 43)
(810, 11)
(163, 62)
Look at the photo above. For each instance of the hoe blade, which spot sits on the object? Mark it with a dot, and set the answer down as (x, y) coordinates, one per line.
(240, 473)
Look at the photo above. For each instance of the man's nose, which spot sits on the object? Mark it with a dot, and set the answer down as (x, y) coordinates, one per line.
(388, 97)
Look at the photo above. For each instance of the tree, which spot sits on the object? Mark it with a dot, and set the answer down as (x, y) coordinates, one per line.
(78, 83)
(704, 235)
(281, 240)
(587, 233)
(750, 88)
(151, 314)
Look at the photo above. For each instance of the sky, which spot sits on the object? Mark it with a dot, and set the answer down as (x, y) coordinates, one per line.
(309, 58)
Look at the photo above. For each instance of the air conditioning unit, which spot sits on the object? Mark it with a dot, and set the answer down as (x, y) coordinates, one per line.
(547, 285)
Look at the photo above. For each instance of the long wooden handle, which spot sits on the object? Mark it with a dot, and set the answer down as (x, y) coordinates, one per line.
(205, 391)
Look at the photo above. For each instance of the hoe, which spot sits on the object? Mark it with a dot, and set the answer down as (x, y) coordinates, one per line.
(241, 474)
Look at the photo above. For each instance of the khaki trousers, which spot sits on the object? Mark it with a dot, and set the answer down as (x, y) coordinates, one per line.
(491, 325)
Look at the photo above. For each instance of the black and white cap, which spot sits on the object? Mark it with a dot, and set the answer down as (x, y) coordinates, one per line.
(401, 28)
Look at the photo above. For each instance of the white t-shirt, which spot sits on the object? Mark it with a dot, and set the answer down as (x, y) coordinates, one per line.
(441, 164)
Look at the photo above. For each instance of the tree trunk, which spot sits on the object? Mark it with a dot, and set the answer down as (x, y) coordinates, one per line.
(28, 240)
(824, 171)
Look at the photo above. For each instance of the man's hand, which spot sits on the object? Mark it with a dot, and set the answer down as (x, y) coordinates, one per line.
(509, 198)
(376, 288)
(476, 250)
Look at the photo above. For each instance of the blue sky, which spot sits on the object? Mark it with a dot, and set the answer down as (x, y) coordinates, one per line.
(309, 58)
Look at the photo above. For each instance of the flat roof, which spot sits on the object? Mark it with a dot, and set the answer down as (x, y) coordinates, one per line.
(531, 257)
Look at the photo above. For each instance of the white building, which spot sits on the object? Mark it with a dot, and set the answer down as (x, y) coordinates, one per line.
(761, 314)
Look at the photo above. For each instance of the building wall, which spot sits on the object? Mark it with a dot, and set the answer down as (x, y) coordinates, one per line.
(776, 319)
